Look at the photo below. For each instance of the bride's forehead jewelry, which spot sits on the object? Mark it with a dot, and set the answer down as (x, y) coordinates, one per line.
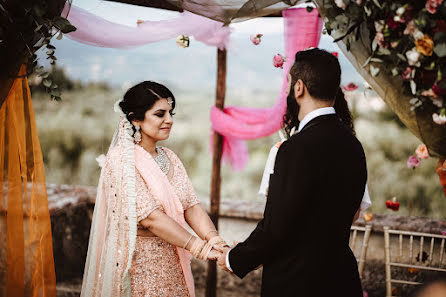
(169, 101)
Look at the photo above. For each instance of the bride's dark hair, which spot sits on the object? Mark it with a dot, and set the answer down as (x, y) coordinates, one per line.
(321, 73)
(342, 110)
(141, 97)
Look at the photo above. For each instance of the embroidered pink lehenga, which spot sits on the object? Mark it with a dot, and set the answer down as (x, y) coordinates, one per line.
(120, 263)
(156, 268)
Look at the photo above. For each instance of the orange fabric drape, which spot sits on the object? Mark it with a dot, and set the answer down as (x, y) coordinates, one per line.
(26, 248)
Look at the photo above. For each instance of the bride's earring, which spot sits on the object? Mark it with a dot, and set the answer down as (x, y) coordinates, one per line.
(137, 135)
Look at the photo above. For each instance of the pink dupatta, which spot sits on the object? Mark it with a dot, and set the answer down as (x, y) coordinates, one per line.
(165, 194)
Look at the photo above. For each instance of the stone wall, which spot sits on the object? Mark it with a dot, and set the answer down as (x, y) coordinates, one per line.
(71, 209)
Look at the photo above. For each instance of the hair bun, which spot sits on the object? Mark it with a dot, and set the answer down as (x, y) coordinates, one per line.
(123, 106)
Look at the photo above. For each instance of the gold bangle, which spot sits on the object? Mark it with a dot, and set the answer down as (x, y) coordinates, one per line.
(187, 242)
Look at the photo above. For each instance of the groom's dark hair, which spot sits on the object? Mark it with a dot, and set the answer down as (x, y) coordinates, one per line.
(320, 71)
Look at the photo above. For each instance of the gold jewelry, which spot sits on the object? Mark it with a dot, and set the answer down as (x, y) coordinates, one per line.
(187, 242)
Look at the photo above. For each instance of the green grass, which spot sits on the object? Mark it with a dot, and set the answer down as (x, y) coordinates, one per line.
(76, 130)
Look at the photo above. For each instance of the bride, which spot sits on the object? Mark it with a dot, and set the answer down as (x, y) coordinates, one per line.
(139, 242)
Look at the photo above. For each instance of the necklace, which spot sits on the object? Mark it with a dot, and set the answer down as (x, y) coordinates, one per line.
(162, 160)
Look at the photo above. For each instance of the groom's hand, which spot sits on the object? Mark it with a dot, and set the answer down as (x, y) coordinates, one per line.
(221, 261)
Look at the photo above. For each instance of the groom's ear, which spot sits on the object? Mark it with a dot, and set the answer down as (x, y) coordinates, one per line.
(299, 88)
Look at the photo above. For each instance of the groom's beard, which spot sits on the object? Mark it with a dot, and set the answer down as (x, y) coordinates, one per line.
(292, 109)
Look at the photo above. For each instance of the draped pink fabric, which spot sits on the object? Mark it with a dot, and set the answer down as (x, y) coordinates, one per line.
(96, 31)
(161, 188)
(302, 29)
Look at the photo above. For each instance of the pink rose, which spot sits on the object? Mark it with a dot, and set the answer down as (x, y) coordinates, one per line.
(443, 233)
(278, 61)
(256, 39)
(422, 152)
(432, 5)
(350, 87)
(365, 294)
(413, 162)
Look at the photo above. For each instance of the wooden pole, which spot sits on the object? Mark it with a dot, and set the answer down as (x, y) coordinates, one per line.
(211, 281)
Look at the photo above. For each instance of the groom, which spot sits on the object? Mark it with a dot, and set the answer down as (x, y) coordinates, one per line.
(314, 193)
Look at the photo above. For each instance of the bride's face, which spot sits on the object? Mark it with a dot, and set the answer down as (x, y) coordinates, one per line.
(157, 122)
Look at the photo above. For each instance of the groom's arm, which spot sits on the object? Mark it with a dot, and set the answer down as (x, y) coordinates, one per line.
(290, 192)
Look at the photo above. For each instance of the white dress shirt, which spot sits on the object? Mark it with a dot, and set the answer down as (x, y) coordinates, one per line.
(269, 167)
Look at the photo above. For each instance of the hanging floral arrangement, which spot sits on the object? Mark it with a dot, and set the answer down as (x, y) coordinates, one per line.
(406, 38)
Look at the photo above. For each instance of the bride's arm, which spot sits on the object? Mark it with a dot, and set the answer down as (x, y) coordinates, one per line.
(200, 222)
(167, 229)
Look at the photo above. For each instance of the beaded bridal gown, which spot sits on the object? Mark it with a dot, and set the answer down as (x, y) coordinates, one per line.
(156, 268)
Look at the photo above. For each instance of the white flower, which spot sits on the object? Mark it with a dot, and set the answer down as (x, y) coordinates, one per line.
(379, 25)
(412, 56)
(367, 86)
(183, 41)
(340, 4)
(101, 160)
(417, 34)
(439, 119)
(117, 108)
(401, 10)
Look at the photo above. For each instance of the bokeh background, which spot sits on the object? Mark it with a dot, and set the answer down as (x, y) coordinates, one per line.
(76, 130)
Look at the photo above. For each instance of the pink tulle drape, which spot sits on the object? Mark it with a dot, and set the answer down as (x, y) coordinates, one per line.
(96, 31)
(302, 29)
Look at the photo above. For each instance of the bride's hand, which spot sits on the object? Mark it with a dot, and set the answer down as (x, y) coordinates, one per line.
(214, 255)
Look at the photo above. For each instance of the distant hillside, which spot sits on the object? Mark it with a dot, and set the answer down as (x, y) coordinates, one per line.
(249, 66)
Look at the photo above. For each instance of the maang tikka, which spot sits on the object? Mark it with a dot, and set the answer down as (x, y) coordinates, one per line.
(137, 135)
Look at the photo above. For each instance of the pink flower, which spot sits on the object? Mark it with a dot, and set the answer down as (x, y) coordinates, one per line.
(443, 233)
(350, 87)
(365, 294)
(340, 4)
(335, 54)
(256, 39)
(410, 28)
(432, 5)
(422, 152)
(379, 37)
(407, 74)
(278, 61)
(413, 162)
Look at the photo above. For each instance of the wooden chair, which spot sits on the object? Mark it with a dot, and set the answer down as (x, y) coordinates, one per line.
(416, 259)
(365, 242)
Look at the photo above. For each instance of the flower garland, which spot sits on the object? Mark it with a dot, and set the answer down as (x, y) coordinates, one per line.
(408, 38)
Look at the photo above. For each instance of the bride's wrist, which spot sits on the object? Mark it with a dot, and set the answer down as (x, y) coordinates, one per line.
(210, 234)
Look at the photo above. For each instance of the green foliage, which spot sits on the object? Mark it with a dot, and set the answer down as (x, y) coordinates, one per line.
(25, 27)
(406, 39)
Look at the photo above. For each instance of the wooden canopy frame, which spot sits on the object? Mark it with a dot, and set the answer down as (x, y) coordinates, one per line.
(211, 279)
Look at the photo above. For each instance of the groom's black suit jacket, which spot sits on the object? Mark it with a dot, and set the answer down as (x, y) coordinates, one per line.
(303, 240)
